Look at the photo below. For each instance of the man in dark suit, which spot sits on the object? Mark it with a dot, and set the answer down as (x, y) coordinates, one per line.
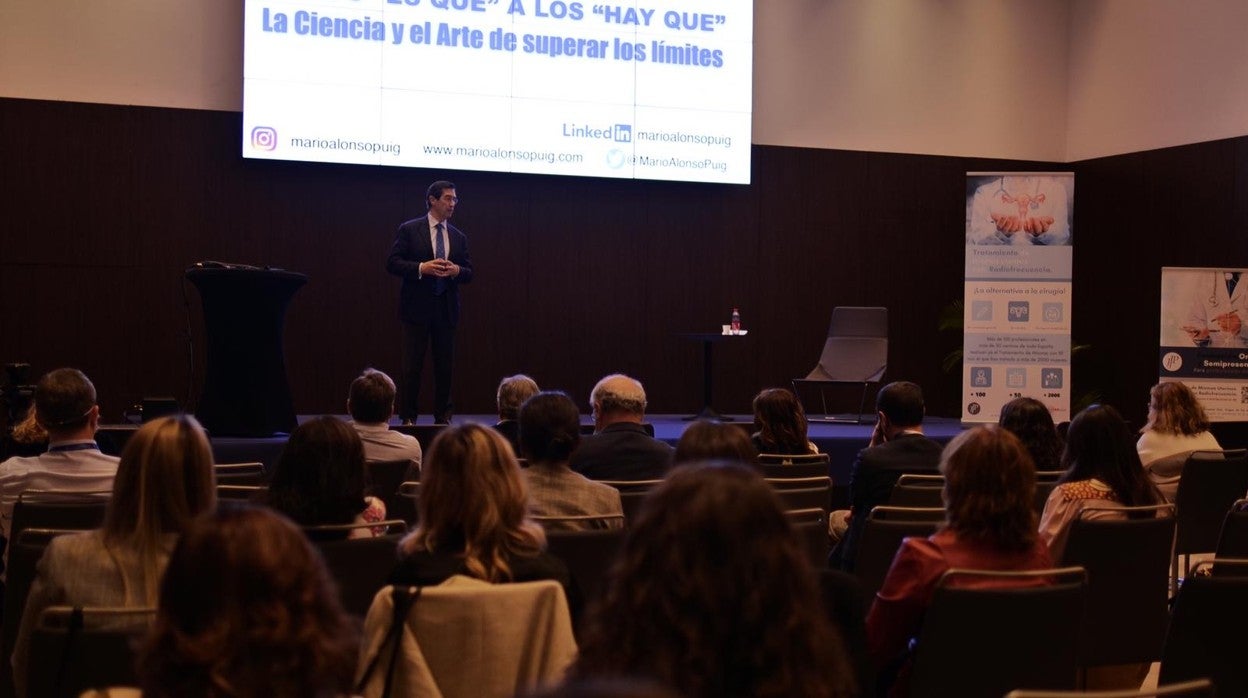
(431, 256)
(897, 446)
(620, 447)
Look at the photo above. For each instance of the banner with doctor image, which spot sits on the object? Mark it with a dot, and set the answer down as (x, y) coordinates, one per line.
(1204, 337)
(1016, 323)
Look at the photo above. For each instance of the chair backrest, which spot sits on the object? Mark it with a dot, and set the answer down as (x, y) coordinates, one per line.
(24, 553)
(1205, 637)
(73, 650)
(1212, 481)
(382, 479)
(580, 522)
(328, 532)
(630, 504)
(811, 527)
(784, 465)
(798, 483)
(466, 637)
(857, 346)
(1200, 688)
(1233, 540)
(241, 493)
(1128, 562)
(982, 641)
(915, 490)
(817, 497)
(588, 555)
(1165, 472)
(630, 485)
(881, 538)
(406, 504)
(361, 566)
(58, 509)
(781, 470)
(240, 473)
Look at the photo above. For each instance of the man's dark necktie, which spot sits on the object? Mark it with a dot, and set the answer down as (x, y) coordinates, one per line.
(1232, 280)
(439, 252)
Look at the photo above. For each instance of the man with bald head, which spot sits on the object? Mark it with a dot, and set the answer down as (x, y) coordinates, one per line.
(620, 447)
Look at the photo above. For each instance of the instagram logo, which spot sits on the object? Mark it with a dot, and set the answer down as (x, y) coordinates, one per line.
(264, 138)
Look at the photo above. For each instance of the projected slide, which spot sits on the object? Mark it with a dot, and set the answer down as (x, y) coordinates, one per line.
(652, 90)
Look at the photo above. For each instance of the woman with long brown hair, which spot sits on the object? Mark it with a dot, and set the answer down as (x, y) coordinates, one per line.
(248, 609)
(474, 517)
(781, 424)
(712, 596)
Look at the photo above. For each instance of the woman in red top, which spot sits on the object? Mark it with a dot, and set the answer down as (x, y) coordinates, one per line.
(990, 524)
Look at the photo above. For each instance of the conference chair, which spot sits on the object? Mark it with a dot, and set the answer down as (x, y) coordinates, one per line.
(811, 527)
(1212, 482)
(73, 650)
(240, 493)
(1128, 561)
(240, 473)
(917, 490)
(361, 566)
(981, 642)
(1046, 482)
(383, 477)
(632, 493)
(24, 554)
(1233, 540)
(812, 468)
(580, 522)
(588, 555)
(1200, 688)
(407, 504)
(882, 533)
(817, 493)
(854, 353)
(1206, 636)
(327, 532)
(465, 637)
(58, 509)
(784, 462)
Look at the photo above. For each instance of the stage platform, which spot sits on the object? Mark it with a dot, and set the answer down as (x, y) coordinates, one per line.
(839, 440)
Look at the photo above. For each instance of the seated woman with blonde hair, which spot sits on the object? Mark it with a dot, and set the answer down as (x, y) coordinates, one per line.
(164, 481)
(474, 517)
(1177, 423)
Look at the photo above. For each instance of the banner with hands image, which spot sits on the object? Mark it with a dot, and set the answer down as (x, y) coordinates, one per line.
(1017, 292)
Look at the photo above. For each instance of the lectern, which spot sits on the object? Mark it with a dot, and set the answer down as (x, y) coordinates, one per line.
(245, 389)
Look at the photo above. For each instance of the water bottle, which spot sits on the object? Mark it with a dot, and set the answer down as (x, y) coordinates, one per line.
(736, 321)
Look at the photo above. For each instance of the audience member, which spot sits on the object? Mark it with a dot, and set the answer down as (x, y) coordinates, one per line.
(707, 440)
(371, 405)
(512, 392)
(1176, 424)
(550, 430)
(26, 439)
(319, 479)
(620, 448)
(248, 609)
(474, 518)
(164, 481)
(897, 446)
(1029, 420)
(990, 524)
(781, 424)
(1102, 471)
(713, 596)
(65, 407)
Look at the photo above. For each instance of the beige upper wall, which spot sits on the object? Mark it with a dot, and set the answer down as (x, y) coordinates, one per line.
(1156, 73)
(1051, 80)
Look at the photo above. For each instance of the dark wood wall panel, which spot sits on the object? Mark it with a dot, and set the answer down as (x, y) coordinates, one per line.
(104, 206)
